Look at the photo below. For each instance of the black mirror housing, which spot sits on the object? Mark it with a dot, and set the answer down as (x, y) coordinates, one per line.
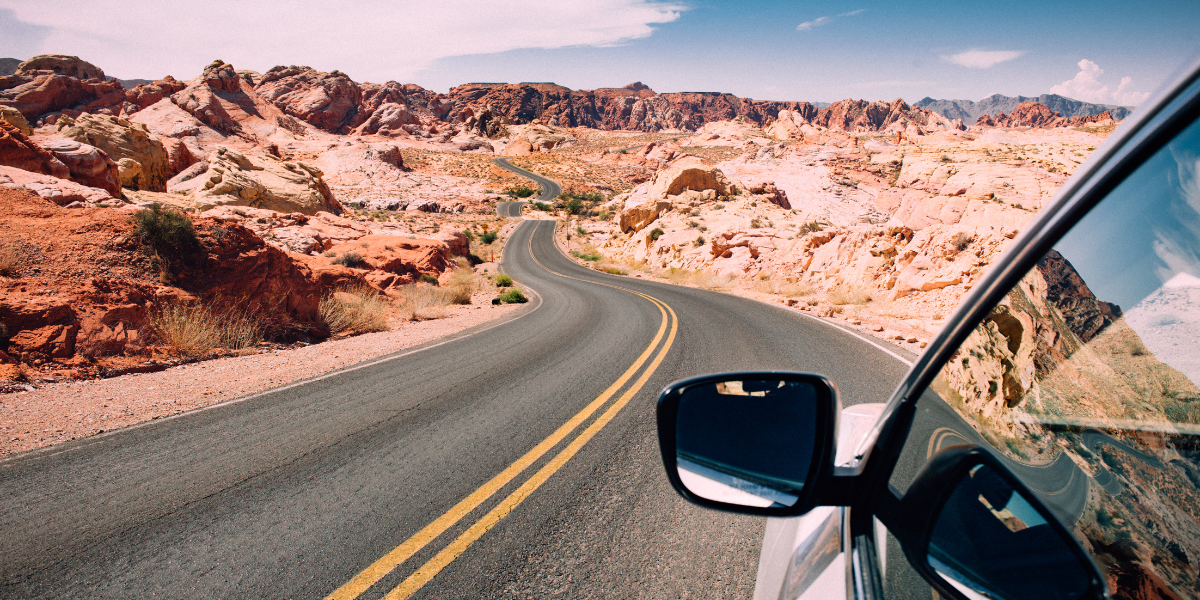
(972, 529)
(755, 443)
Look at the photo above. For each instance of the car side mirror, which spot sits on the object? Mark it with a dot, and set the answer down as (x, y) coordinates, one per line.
(973, 530)
(753, 443)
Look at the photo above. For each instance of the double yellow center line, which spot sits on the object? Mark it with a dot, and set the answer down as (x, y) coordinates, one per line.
(423, 574)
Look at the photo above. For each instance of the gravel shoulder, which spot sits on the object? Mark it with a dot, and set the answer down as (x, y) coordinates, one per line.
(60, 412)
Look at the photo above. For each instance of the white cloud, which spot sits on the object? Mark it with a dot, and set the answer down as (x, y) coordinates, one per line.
(982, 59)
(817, 22)
(1088, 86)
(373, 40)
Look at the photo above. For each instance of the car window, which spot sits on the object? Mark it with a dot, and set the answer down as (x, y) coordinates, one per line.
(1086, 378)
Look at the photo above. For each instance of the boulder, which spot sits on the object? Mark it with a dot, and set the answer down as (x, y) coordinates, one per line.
(637, 217)
(61, 64)
(147, 94)
(122, 139)
(455, 240)
(389, 116)
(689, 175)
(17, 150)
(263, 182)
(88, 164)
(57, 190)
(14, 117)
(329, 101)
(406, 259)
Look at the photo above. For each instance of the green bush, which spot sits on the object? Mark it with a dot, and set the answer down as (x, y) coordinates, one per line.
(522, 191)
(470, 236)
(168, 234)
(542, 206)
(353, 260)
(503, 280)
(513, 296)
(656, 233)
(588, 257)
(581, 231)
(427, 278)
(488, 237)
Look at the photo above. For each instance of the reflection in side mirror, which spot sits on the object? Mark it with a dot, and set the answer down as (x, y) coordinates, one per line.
(748, 442)
(987, 536)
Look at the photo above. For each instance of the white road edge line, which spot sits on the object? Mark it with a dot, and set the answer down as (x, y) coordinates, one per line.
(101, 436)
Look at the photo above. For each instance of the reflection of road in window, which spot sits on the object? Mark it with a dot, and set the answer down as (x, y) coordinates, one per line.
(1096, 354)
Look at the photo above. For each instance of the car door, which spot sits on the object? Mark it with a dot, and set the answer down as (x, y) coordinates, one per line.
(1076, 363)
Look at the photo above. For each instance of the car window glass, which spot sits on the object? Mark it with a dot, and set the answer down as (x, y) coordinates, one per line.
(1086, 379)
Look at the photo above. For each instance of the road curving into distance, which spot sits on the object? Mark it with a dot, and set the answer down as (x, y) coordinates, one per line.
(516, 459)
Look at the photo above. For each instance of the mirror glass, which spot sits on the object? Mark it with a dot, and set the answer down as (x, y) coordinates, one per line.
(747, 442)
(989, 541)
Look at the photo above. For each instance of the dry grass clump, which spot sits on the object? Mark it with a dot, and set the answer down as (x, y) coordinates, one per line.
(194, 329)
(699, 278)
(356, 309)
(461, 284)
(10, 261)
(782, 287)
(848, 294)
(423, 301)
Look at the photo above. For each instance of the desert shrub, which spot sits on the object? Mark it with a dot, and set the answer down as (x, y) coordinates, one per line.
(470, 236)
(848, 294)
(1183, 411)
(261, 220)
(488, 237)
(573, 206)
(513, 296)
(168, 234)
(330, 254)
(542, 206)
(427, 278)
(10, 261)
(961, 240)
(718, 206)
(581, 231)
(614, 271)
(656, 233)
(604, 215)
(354, 309)
(700, 241)
(353, 260)
(756, 223)
(521, 190)
(810, 227)
(503, 280)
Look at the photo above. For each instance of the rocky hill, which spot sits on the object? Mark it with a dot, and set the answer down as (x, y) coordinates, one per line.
(969, 111)
(1032, 114)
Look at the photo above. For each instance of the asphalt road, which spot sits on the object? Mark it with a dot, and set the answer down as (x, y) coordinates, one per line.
(397, 477)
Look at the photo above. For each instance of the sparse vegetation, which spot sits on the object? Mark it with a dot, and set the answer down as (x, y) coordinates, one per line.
(194, 329)
(353, 260)
(10, 261)
(521, 190)
(429, 279)
(588, 256)
(614, 270)
(356, 309)
(513, 296)
(168, 234)
(810, 227)
(656, 233)
(581, 231)
(848, 294)
(488, 237)
(503, 280)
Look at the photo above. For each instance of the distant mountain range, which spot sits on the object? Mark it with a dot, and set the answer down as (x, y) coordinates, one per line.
(968, 111)
(8, 66)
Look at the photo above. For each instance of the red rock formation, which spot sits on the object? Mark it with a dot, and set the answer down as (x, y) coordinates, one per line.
(861, 115)
(146, 94)
(59, 64)
(88, 164)
(201, 100)
(17, 150)
(1033, 114)
(44, 93)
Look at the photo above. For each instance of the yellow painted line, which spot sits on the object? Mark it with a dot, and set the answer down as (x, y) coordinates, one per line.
(386, 564)
(448, 554)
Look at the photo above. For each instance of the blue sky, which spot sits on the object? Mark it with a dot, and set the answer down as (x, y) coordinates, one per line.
(1106, 52)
